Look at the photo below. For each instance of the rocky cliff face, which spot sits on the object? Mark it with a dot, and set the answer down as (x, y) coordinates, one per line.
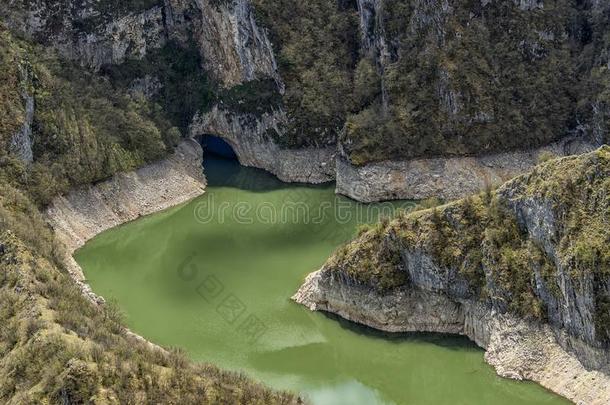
(248, 135)
(234, 51)
(516, 348)
(576, 296)
(21, 142)
(90, 210)
(233, 47)
(444, 177)
(523, 272)
(445, 77)
(373, 37)
(461, 65)
(88, 31)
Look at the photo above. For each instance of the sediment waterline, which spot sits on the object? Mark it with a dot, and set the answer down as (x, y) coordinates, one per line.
(90, 210)
(448, 177)
(84, 213)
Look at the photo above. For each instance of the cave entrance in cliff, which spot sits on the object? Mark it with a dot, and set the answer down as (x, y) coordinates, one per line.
(223, 169)
(216, 146)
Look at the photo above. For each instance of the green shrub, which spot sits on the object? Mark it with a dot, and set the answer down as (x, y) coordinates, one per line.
(315, 43)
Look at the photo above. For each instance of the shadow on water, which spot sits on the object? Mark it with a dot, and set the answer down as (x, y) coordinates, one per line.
(222, 169)
(447, 341)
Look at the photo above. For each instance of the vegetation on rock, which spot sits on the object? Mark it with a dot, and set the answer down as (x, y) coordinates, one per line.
(316, 46)
(83, 129)
(481, 239)
(398, 79)
(57, 347)
(465, 79)
(98, 13)
(180, 86)
(484, 77)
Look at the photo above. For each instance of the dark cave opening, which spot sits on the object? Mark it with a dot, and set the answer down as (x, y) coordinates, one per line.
(217, 146)
(222, 168)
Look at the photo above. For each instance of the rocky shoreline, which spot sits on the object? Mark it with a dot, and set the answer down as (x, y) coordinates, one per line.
(505, 268)
(516, 348)
(239, 51)
(446, 178)
(87, 211)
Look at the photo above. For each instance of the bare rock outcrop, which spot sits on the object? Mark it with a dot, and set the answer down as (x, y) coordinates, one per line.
(86, 32)
(443, 177)
(21, 142)
(516, 348)
(235, 48)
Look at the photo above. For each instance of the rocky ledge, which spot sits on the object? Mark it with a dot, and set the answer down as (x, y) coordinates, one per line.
(90, 210)
(443, 177)
(523, 271)
(447, 178)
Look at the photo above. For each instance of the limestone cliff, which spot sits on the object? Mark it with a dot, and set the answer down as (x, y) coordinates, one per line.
(523, 271)
(441, 46)
(233, 47)
(233, 51)
(90, 32)
(21, 141)
(248, 135)
(450, 71)
(413, 99)
(444, 177)
(459, 94)
(516, 348)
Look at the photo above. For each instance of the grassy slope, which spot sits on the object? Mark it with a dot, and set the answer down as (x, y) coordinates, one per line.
(479, 238)
(56, 347)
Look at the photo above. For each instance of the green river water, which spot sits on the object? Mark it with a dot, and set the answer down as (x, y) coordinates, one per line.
(215, 277)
